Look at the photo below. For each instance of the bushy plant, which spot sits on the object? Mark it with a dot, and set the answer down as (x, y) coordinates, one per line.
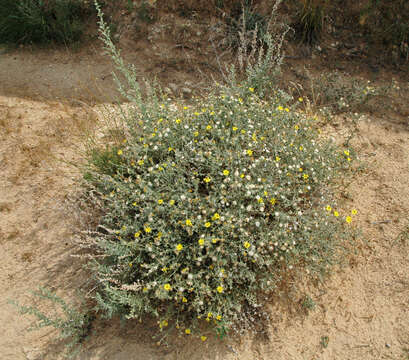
(39, 21)
(207, 206)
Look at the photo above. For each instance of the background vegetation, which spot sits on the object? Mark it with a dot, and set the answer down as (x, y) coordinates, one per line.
(41, 21)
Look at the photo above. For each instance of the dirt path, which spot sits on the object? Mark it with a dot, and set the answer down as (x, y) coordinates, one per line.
(361, 313)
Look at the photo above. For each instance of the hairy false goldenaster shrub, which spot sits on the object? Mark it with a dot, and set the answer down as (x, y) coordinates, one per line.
(206, 206)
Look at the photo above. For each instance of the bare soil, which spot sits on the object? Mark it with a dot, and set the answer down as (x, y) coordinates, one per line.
(46, 96)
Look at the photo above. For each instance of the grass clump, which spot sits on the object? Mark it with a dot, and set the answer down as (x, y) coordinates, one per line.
(206, 207)
(310, 20)
(39, 21)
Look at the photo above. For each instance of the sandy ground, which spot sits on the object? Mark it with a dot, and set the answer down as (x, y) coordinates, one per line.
(362, 312)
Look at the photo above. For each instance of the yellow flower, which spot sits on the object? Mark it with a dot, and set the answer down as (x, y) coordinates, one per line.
(209, 315)
(349, 159)
(130, 264)
(273, 201)
(218, 317)
(300, 99)
(235, 128)
(203, 338)
(296, 127)
(243, 131)
(242, 176)
(216, 216)
(278, 158)
(328, 208)
(348, 219)
(246, 244)
(354, 211)
(164, 269)
(119, 152)
(201, 242)
(219, 289)
(188, 222)
(196, 133)
(301, 148)
(214, 241)
(251, 89)
(336, 213)
(208, 224)
(165, 323)
(187, 331)
(280, 108)
(207, 179)
(170, 148)
(287, 109)
(167, 287)
(179, 247)
(160, 201)
(208, 127)
(184, 300)
(148, 229)
(185, 108)
(177, 121)
(140, 162)
(137, 234)
(305, 176)
(226, 172)
(346, 152)
(249, 152)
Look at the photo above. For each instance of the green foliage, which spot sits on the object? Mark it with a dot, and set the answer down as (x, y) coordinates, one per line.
(146, 12)
(72, 324)
(39, 21)
(208, 206)
(324, 341)
(308, 303)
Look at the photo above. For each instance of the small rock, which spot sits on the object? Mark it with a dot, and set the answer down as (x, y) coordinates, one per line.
(186, 91)
(388, 345)
(174, 87)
